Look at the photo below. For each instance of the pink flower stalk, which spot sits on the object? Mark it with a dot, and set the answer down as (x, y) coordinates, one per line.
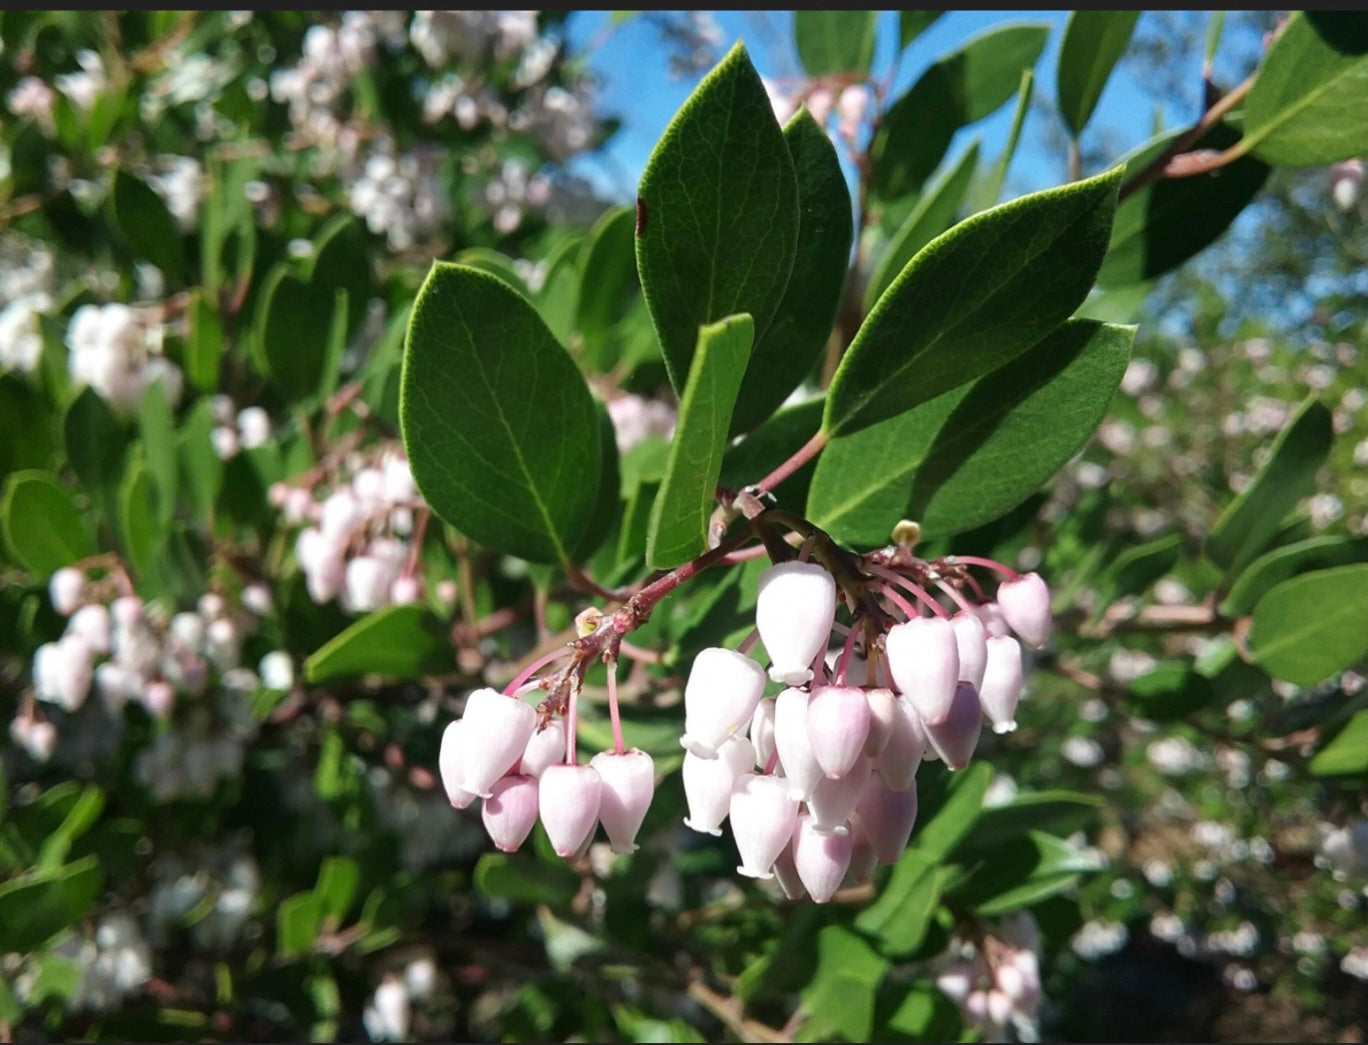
(887, 817)
(956, 736)
(1002, 683)
(820, 858)
(1025, 602)
(763, 817)
(496, 733)
(902, 756)
(510, 812)
(794, 612)
(794, 745)
(628, 786)
(708, 783)
(569, 799)
(837, 727)
(923, 656)
(833, 801)
(721, 695)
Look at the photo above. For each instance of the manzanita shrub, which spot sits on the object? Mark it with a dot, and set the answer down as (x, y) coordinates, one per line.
(439, 604)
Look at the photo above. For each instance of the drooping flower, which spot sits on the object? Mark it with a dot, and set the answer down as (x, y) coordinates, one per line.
(794, 611)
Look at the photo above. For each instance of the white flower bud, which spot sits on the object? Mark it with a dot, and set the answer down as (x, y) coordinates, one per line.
(254, 427)
(188, 629)
(971, 639)
(62, 672)
(368, 581)
(888, 817)
(955, 736)
(66, 589)
(763, 818)
(721, 695)
(794, 611)
(762, 733)
(786, 872)
(1002, 683)
(39, 739)
(276, 670)
(510, 812)
(569, 799)
(544, 748)
(628, 786)
(820, 858)
(883, 712)
(923, 656)
(159, 698)
(838, 726)
(497, 728)
(404, 590)
(225, 442)
(91, 624)
(794, 744)
(449, 766)
(833, 801)
(342, 514)
(387, 1016)
(1025, 603)
(900, 759)
(709, 782)
(257, 599)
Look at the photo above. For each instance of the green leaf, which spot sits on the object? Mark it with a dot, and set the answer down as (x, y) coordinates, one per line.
(157, 424)
(974, 299)
(558, 298)
(1251, 519)
(523, 879)
(28, 426)
(139, 526)
(404, 641)
(1172, 689)
(96, 444)
(292, 334)
(959, 800)
(1215, 26)
(1276, 566)
(911, 24)
(199, 462)
(787, 351)
(717, 213)
(1170, 220)
(607, 267)
(499, 426)
(1021, 872)
(991, 189)
(1347, 752)
(341, 262)
(840, 996)
(959, 89)
(898, 920)
(934, 212)
(608, 507)
(1309, 105)
(834, 41)
(925, 1013)
(43, 528)
(298, 922)
(680, 515)
(1312, 626)
(141, 219)
(38, 905)
(1060, 812)
(204, 347)
(1094, 42)
(972, 454)
(339, 877)
(79, 819)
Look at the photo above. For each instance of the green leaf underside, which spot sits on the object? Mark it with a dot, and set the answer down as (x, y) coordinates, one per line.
(974, 299)
(786, 352)
(1172, 219)
(680, 514)
(1094, 42)
(834, 41)
(1312, 626)
(719, 213)
(499, 426)
(398, 641)
(1309, 105)
(1250, 521)
(977, 451)
(960, 88)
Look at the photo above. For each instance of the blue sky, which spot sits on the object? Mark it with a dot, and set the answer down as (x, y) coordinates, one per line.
(637, 86)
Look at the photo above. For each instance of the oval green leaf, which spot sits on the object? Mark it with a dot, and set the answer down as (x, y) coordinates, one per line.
(499, 426)
(974, 299)
(1276, 566)
(1347, 752)
(717, 220)
(679, 516)
(973, 453)
(43, 528)
(395, 642)
(1309, 105)
(834, 41)
(1094, 42)
(1312, 626)
(141, 219)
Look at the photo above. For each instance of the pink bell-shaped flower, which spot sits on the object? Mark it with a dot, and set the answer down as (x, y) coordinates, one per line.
(956, 736)
(720, 697)
(497, 729)
(628, 786)
(568, 799)
(971, 641)
(786, 874)
(923, 656)
(902, 756)
(863, 859)
(708, 783)
(883, 712)
(838, 726)
(993, 621)
(1019, 979)
(1002, 683)
(833, 801)
(449, 765)
(763, 817)
(762, 733)
(887, 817)
(510, 812)
(1025, 602)
(544, 748)
(821, 859)
(792, 741)
(794, 611)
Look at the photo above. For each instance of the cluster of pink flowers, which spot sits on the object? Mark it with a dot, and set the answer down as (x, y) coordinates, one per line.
(996, 983)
